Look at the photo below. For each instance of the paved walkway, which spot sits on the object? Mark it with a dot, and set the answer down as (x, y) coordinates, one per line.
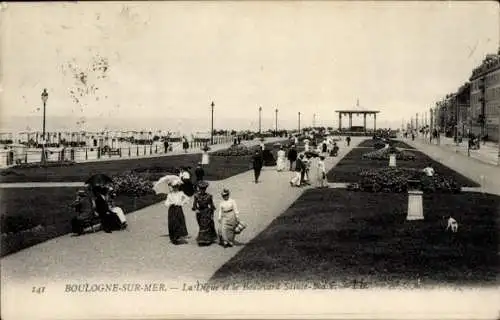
(143, 252)
(488, 175)
(488, 153)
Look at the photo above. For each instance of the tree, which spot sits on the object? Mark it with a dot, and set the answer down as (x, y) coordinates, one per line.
(86, 81)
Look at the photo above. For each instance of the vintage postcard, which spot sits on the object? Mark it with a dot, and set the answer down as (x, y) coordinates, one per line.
(250, 159)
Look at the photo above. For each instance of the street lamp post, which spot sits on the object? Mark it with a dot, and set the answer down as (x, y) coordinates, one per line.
(299, 122)
(431, 125)
(212, 127)
(276, 118)
(260, 123)
(45, 97)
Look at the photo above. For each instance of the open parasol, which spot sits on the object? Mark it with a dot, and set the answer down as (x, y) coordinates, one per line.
(164, 183)
(99, 180)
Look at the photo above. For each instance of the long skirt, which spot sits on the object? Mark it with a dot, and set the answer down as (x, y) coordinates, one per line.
(280, 164)
(297, 179)
(228, 224)
(119, 213)
(176, 223)
(207, 234)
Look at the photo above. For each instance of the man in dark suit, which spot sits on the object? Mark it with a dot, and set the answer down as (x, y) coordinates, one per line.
(257, 163)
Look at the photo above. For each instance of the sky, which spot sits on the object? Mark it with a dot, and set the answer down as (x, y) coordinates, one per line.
(167, 61)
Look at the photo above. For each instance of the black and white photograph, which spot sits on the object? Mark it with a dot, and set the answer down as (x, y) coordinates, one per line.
(250, 159)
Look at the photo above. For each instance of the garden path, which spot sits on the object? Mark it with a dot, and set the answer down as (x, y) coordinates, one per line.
(143, 252)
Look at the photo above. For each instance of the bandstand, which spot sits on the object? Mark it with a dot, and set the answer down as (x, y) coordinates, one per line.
(357, 111)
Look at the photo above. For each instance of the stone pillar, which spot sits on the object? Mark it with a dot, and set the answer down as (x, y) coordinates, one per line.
(375, 122)
(392, 160)
(415, 206)
(340, 121)
(350, 121)
(364, 121)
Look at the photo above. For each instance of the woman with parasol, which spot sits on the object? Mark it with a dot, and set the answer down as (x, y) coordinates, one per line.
(204, 206)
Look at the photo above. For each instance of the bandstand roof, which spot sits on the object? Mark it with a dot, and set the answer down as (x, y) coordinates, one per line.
(357, 109)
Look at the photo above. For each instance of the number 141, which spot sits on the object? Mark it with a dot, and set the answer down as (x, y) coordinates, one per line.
(38, 290)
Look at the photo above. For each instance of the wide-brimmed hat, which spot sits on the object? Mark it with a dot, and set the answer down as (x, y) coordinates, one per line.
(202, 184)
(225, 192)
(81, 193)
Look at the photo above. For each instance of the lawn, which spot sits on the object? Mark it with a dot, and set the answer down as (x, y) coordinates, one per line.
(33, 215)
(219, 168)
(339, 239)
(347, 170)
(398, 144)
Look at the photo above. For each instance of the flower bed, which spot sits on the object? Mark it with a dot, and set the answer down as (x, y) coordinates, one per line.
(385, 153)
(236, 151)
(130, 183)
(396, 180)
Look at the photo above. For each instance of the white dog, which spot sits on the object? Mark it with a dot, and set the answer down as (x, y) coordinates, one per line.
(452, 225)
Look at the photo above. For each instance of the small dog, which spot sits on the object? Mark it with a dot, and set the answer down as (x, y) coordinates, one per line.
(452, 225)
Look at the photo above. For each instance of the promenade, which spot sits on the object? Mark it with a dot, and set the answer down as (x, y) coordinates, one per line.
(143, 252)
(81, 183)
(132, 152)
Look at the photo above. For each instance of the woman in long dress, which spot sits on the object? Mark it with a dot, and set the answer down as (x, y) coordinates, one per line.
(177, 230)
(204, 206)
(228, 219)
(281, 162)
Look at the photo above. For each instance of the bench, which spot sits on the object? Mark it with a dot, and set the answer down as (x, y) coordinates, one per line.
(113, 152)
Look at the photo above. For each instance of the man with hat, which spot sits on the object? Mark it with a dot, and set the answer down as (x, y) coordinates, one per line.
(203, 204)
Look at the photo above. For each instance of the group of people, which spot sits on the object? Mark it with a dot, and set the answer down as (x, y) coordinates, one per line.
(302, 163)
(203, 204)
(95, 205)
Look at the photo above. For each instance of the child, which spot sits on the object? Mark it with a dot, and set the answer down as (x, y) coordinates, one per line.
(321, 172)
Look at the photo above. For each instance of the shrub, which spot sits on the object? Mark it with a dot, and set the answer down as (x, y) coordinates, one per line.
(396, 180)
(8, 172)
(379, 144)
(268, 158)
(48, 164)
(236, 151)
(130, 183)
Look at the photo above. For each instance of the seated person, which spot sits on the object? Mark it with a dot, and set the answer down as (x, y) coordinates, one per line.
(109, 219)
(85, 215)
(117, 210)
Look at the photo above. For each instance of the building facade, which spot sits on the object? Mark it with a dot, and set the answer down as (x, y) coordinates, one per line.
(485, 99)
